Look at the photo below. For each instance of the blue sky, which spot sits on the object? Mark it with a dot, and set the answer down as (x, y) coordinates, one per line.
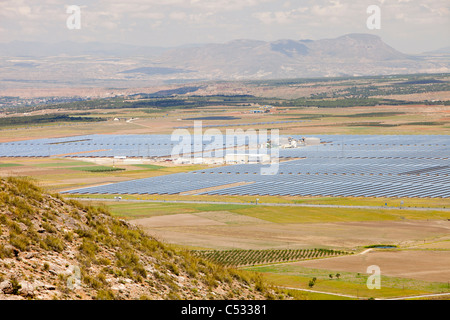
(410, 26)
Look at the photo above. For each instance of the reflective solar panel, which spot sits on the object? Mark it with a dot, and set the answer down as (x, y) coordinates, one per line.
(342, 165)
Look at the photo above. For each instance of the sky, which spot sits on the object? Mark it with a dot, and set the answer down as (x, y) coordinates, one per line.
(411, 26)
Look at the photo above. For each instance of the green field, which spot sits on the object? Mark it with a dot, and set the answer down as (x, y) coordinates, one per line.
(8, 165)
(96, 169)
(149, 209)
(61, 164)
(335, 201)
(325, 214)
(149, 166)
(274, 214)
(349, 283)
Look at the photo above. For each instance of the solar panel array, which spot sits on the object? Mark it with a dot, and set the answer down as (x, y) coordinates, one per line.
(105, 146)
(347, 165)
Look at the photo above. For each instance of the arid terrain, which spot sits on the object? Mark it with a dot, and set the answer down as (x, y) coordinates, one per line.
(402, 105)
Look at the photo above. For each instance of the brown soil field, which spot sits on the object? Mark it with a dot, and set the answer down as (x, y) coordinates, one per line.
(413, 264)
(32, 172)
(264, 235)
(185, 219)
(441, 245)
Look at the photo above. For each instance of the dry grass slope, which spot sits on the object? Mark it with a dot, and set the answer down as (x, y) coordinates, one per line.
(56, 249)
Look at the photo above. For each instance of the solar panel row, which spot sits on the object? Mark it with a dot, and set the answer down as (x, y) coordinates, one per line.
(350, 165)
(369, 166)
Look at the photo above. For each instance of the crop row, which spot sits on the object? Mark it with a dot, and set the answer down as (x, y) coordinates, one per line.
(253, 257)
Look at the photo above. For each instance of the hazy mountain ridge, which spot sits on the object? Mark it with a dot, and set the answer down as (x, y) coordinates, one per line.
(68, 48)
(113, 64)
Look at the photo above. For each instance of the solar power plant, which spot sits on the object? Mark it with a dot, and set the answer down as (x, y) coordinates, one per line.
(342, 165)
(102, 146)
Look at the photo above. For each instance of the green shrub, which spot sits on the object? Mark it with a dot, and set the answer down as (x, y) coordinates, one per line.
(104, 261)
(140, 271)
(173, 268)
(54, 243)
(5, 252)
(92, 282)
(15, 286)
(19, 241)
(105, 295)
(88, 248)
(85, 233)
(49, 227)
(68, 236)
(126, 259)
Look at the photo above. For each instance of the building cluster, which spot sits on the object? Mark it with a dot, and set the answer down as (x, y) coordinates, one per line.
(289, 142)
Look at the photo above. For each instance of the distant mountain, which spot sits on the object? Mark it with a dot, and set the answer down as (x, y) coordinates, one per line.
(445, 50)
(69, 48)
(359, 46)
(126, 65)
(352, 54)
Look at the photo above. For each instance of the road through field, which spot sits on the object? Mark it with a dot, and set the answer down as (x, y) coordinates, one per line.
(423, 296)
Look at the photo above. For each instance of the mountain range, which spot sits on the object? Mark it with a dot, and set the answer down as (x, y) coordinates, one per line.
(112, 64)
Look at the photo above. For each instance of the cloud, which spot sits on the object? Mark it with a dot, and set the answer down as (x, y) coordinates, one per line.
(332, 9)
(280, 17)
(183, 21)
(225, 5)
(178, 15)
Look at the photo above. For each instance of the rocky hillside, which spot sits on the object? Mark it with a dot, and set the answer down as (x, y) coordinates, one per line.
(56, 249)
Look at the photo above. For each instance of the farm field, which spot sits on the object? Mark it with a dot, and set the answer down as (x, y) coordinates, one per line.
(222, 226)
(381, 119)
(426, 265)
(285, 200)
(264, 235)
(241, 258)
(353, 284)
(237, 228)
(269, 214)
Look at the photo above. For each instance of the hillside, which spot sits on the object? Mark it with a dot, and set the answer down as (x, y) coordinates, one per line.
(56, 249)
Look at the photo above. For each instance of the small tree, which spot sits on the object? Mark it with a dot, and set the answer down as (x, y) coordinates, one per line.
(331, 276)
(312, 282)
(338, 275)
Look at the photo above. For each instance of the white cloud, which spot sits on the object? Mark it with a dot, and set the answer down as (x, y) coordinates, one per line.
(181, 21)
(178, 15)
(280, 17)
